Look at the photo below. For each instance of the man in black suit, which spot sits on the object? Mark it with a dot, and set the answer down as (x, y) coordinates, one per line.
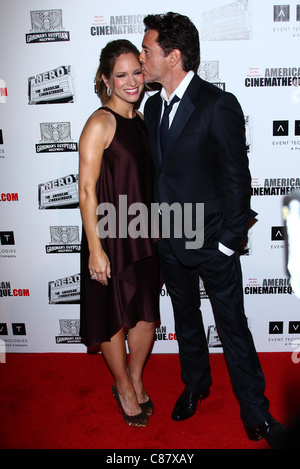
(203, 160)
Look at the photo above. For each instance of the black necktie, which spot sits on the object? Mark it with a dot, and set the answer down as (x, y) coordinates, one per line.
(164, 125)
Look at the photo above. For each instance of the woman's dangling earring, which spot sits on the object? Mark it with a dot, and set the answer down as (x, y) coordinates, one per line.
(109, 92)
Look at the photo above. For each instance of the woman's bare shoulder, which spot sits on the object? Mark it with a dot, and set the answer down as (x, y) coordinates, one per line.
(102, 118)
(101, 126)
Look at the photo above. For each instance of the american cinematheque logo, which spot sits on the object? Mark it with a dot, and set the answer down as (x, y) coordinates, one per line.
(51, 87)
(273, 77)
(268, 286)
(6, 290)
(117, 25)
(46, 26)
(275, 186)
(55, 137)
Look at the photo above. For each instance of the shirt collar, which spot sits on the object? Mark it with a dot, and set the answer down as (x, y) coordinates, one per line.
(180, 90)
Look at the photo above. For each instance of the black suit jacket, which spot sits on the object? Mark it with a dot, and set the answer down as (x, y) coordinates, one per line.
(205, 161)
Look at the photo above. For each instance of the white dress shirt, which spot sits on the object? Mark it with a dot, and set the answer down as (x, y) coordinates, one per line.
(180, 90)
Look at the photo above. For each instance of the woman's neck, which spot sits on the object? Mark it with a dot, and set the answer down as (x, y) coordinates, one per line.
(121, 107)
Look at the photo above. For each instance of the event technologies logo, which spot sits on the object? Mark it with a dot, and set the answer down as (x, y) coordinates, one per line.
(286, 134)
(287, 337)
(18, 330)
(286, 20)
(7, 240)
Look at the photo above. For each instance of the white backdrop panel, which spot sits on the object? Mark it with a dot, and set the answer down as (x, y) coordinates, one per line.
(39, 250)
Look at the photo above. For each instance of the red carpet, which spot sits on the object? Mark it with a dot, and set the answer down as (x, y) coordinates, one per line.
(64, 401)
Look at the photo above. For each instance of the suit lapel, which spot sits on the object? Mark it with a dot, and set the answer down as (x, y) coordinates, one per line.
(184, 112)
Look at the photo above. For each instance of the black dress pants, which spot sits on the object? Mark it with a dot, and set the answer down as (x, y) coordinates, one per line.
(223, 282)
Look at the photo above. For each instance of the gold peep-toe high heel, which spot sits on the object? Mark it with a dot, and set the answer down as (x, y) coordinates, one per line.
(139, 420)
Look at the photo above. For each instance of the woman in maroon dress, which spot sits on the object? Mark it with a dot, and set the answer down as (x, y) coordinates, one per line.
(120, 277)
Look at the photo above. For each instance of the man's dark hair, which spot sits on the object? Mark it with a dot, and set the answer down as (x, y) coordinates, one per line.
(176, 31)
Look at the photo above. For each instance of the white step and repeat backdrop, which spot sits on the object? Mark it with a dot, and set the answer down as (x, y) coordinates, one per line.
(49, 55)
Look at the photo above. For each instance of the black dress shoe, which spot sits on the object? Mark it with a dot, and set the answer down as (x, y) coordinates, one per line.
(186, 405)
(272, 431)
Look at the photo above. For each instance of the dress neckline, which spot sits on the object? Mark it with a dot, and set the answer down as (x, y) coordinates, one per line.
(116, 113)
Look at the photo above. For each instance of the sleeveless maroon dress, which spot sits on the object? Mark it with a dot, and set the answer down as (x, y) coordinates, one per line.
(133, 290)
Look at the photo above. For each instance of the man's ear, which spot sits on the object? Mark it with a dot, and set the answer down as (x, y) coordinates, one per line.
(175, 57)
